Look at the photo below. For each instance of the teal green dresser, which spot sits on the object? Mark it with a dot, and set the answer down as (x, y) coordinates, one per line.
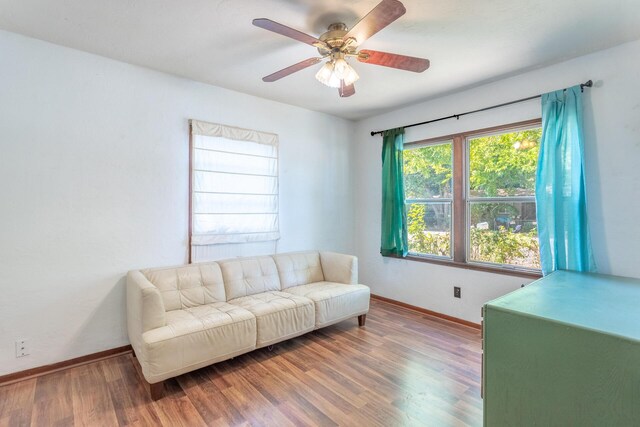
(563, 351)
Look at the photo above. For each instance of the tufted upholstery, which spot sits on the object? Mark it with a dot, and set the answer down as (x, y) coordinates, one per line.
(196, 337)
(334, 302)
(188, 286)
(204, 317)
(279, 315)
(299, 268)
(248, 276)
(183, 318)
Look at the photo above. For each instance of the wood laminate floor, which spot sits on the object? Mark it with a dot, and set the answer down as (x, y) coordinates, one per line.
(402, 369)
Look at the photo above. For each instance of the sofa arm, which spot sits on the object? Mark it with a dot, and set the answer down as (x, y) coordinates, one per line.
(145, 309)
(339, 268)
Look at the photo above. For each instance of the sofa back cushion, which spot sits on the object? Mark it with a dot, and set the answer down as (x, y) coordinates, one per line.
(299, 268)
(249, 276)
(189, 285)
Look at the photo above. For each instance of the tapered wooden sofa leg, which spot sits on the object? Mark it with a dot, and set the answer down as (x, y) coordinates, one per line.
(361, 319)
(156, 390)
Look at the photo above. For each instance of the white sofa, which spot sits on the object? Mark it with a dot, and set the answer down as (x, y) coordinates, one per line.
(187, 317)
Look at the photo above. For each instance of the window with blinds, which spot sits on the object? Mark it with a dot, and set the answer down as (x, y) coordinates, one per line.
(234, 185)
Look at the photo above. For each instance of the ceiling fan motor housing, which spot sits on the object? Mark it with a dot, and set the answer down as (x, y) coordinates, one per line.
(334, 37)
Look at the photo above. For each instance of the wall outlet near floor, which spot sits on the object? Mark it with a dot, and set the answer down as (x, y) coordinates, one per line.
(457, 292)
(21, 348)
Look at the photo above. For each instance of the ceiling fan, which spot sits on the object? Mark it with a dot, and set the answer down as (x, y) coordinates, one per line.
(340, 43)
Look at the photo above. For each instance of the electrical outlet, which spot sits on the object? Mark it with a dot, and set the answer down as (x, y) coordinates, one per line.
(457, 292)
(21, 348)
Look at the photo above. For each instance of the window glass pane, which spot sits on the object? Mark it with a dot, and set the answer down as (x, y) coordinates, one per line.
(504, 164)
(504, 233)
(427, 171)
(429, 228)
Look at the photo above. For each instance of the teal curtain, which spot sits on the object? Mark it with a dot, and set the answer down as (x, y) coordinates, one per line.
(394, 219)
(561, 200)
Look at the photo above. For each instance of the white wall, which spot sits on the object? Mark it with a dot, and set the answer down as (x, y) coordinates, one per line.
(94, 182)
(93, 173)
(612, 151)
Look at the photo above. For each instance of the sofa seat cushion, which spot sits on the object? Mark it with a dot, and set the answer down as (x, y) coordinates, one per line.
(197, 337)
(334, 302)
(279, 315)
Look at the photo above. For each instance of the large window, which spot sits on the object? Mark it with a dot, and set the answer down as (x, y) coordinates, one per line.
(470, 198)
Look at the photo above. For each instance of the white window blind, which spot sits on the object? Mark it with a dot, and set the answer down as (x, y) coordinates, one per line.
(234, 182)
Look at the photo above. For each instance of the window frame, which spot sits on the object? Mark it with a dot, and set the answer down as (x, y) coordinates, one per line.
(433, 200)
(460, 218)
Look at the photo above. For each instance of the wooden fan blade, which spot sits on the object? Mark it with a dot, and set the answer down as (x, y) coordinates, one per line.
(401, 62)
(291, 69)
(346, 90)
(379, 17)
(270, 25)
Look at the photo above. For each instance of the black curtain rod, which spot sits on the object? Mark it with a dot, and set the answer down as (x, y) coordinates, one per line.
(588, 83)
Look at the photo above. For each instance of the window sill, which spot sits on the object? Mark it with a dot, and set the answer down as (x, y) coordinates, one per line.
(469, 266)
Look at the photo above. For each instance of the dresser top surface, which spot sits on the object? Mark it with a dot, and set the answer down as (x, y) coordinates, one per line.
(607, 304)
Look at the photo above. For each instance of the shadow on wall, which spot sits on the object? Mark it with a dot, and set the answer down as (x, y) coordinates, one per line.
(597, 225)
(105, 326)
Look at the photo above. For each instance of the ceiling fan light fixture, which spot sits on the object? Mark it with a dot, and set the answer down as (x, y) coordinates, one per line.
(350, 76)
(334, 81)
(344, 71)
(340, 67)
(324, 74)
(332, 72)
(327, 75)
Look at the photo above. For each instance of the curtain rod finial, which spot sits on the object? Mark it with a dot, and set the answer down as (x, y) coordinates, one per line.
(588, 83)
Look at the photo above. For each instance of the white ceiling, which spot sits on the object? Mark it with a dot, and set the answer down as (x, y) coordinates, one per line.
(469, 42)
